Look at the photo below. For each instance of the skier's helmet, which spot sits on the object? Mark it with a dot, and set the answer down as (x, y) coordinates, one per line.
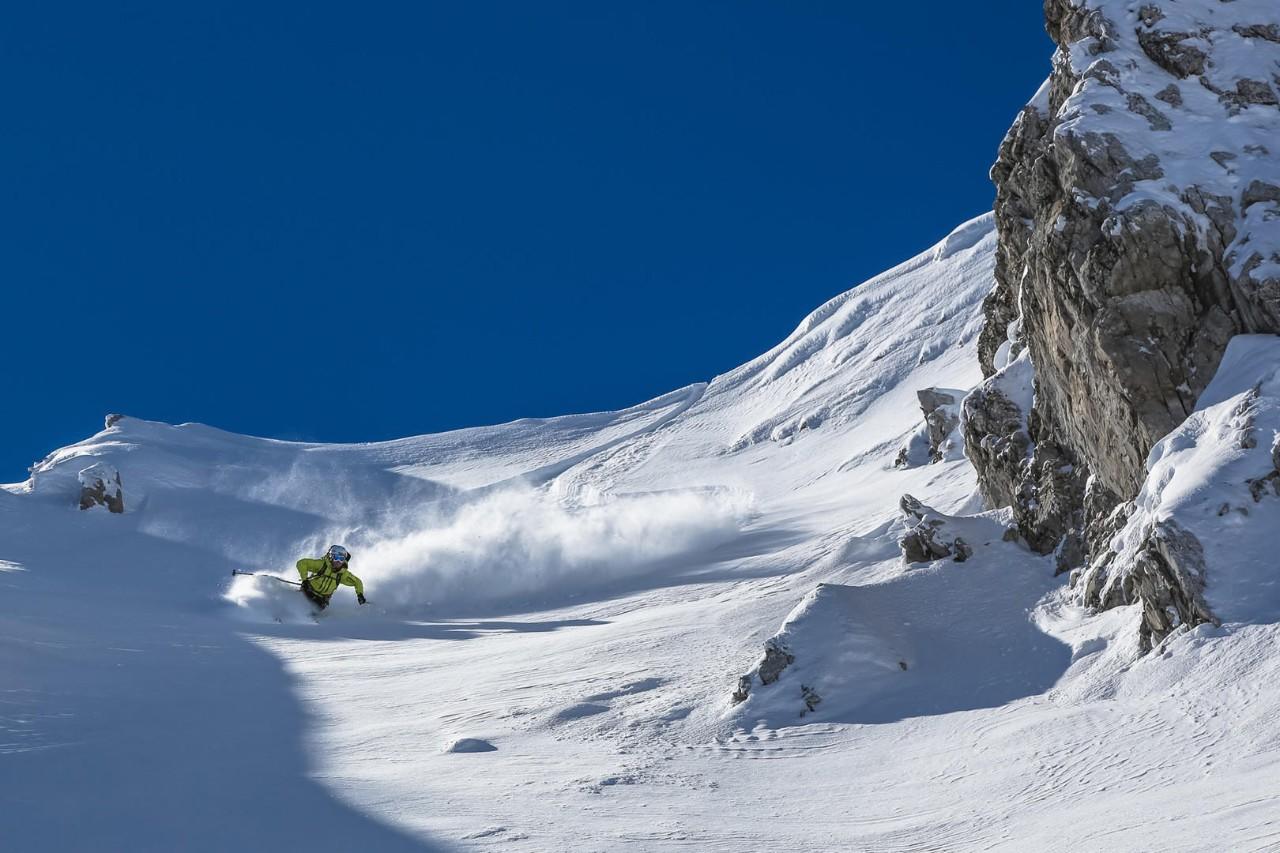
(338, 554)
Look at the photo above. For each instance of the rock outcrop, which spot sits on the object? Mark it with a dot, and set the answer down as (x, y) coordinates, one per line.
(941, 417)
(1138, 207)
(777, 657)
(1196, 545)
(100, 486)
(926, 540)
(1167, 577)
(936, 439)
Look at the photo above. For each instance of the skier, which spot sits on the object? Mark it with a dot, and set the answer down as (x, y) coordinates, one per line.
(320, 577)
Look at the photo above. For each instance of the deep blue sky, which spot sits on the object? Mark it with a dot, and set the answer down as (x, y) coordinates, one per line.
(361, 221)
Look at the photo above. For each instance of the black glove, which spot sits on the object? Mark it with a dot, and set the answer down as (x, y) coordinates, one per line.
(360, 598)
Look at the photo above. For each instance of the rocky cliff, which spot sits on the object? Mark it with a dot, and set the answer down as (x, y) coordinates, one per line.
(1138, 207)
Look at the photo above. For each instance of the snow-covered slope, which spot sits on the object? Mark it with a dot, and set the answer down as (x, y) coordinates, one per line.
(583, 594)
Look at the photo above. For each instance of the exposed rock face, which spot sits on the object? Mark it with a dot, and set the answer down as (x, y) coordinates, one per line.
(922, 545)
(776, 658)
(1040, 480)
(1095, 523)
(100, 486)
(1138, 206)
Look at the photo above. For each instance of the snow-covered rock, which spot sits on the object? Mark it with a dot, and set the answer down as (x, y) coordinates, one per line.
(777, 657)
(1138, 202)
(100, 486)
(937, 437)
(994, 421)
(1198, 543)
(928, 536)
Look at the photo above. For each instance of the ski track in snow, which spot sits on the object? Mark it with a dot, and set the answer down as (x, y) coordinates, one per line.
(147, 704)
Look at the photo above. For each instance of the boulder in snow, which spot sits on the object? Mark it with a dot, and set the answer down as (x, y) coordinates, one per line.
(941, 415)
(777, 657)
(936, 439)
(926, 541)
(100, 486)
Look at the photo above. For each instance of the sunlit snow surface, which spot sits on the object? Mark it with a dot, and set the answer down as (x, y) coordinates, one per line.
(560, 610)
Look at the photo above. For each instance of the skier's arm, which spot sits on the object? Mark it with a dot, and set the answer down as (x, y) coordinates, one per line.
(351, 580)
(307, 567)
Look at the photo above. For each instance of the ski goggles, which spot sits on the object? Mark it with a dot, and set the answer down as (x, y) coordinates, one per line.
(338, 554)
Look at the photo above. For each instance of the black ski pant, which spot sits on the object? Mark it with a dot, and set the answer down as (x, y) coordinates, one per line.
(321, 601)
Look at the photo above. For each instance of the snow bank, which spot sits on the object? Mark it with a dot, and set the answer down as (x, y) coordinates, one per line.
(944, 637)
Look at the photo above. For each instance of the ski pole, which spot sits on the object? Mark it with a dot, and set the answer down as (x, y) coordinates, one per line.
(257, 575)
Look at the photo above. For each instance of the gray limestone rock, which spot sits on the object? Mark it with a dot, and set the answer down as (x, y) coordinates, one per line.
(777, 657)
(1171, 51)
(1143, 107)
(996, 442)
(1125, 310)
(922, 545)
(1266, 32)
(1124, 297)
(1167, 577)
(926, 540)
(1255, 92)
(941, 416)
(933, 440)
(1171, 95)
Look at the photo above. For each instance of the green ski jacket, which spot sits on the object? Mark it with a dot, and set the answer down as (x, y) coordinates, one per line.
(325, 576)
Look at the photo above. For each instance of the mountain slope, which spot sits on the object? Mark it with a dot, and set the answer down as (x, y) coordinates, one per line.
(584, 594)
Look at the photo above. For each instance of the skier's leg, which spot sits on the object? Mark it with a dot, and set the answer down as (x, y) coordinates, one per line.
(319, 601)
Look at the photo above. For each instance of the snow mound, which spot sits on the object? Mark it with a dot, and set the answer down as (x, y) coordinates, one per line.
(469, 744)
(946, 637)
